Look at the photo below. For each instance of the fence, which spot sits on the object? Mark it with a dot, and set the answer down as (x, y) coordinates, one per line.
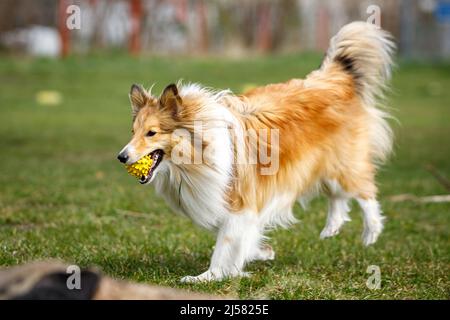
(422, 27)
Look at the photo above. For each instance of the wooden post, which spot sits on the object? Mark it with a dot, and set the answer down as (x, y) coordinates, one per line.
(323, 28)
(264, 27)
(63, 30)
(136, 16)
(181, 10)
(203, 26)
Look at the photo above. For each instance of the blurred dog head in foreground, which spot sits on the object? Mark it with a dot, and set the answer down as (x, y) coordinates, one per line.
(51, 281)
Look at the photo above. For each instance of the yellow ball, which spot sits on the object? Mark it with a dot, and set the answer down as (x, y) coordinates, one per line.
(141, 167)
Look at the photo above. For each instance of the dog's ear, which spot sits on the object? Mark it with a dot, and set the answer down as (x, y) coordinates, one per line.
(170, 100)
(138, 98)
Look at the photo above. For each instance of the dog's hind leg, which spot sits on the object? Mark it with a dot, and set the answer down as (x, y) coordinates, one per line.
(364, 190)
(238, 240)
(373, 220)
(338, 209)
(337, 215)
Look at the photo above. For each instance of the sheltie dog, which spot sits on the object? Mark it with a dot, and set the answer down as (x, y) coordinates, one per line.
(236, 164)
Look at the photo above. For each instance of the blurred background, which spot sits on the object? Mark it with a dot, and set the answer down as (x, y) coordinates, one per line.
(223, 27)
(65, 114)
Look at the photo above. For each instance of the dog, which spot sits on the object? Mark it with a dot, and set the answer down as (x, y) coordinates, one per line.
(325, 133)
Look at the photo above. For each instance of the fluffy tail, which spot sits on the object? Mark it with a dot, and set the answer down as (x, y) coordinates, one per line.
(365, 52)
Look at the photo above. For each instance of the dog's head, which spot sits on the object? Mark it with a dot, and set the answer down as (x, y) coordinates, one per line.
(154, 121)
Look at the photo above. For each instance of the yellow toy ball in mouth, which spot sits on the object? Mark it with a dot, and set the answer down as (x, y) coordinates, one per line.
(141, 167)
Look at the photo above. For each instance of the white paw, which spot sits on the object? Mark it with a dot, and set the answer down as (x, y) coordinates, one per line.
(329, 231)
(213, 275)
(372, 231)
(194, 279)
(370, 236)
(268, 254)
(265, 253)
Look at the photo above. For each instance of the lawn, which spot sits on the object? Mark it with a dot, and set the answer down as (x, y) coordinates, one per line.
(64, 195)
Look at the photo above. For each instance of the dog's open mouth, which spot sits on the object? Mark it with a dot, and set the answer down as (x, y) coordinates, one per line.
(157, 157)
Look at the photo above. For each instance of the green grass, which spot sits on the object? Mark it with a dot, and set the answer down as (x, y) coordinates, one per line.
(64, 195)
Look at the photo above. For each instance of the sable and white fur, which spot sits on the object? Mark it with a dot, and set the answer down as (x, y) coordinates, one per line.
(332, 136)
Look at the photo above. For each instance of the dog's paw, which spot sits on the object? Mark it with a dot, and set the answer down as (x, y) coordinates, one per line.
(212, 275)
(372, 230)
(329, 231)
(370, 236)
(265, 253)
(193, 279)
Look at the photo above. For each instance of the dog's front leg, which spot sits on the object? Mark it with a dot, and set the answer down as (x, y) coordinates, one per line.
(237, 241)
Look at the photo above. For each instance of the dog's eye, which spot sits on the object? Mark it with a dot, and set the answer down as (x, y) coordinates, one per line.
(151, 133)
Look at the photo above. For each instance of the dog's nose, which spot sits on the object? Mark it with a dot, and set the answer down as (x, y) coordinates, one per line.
(123, 157)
